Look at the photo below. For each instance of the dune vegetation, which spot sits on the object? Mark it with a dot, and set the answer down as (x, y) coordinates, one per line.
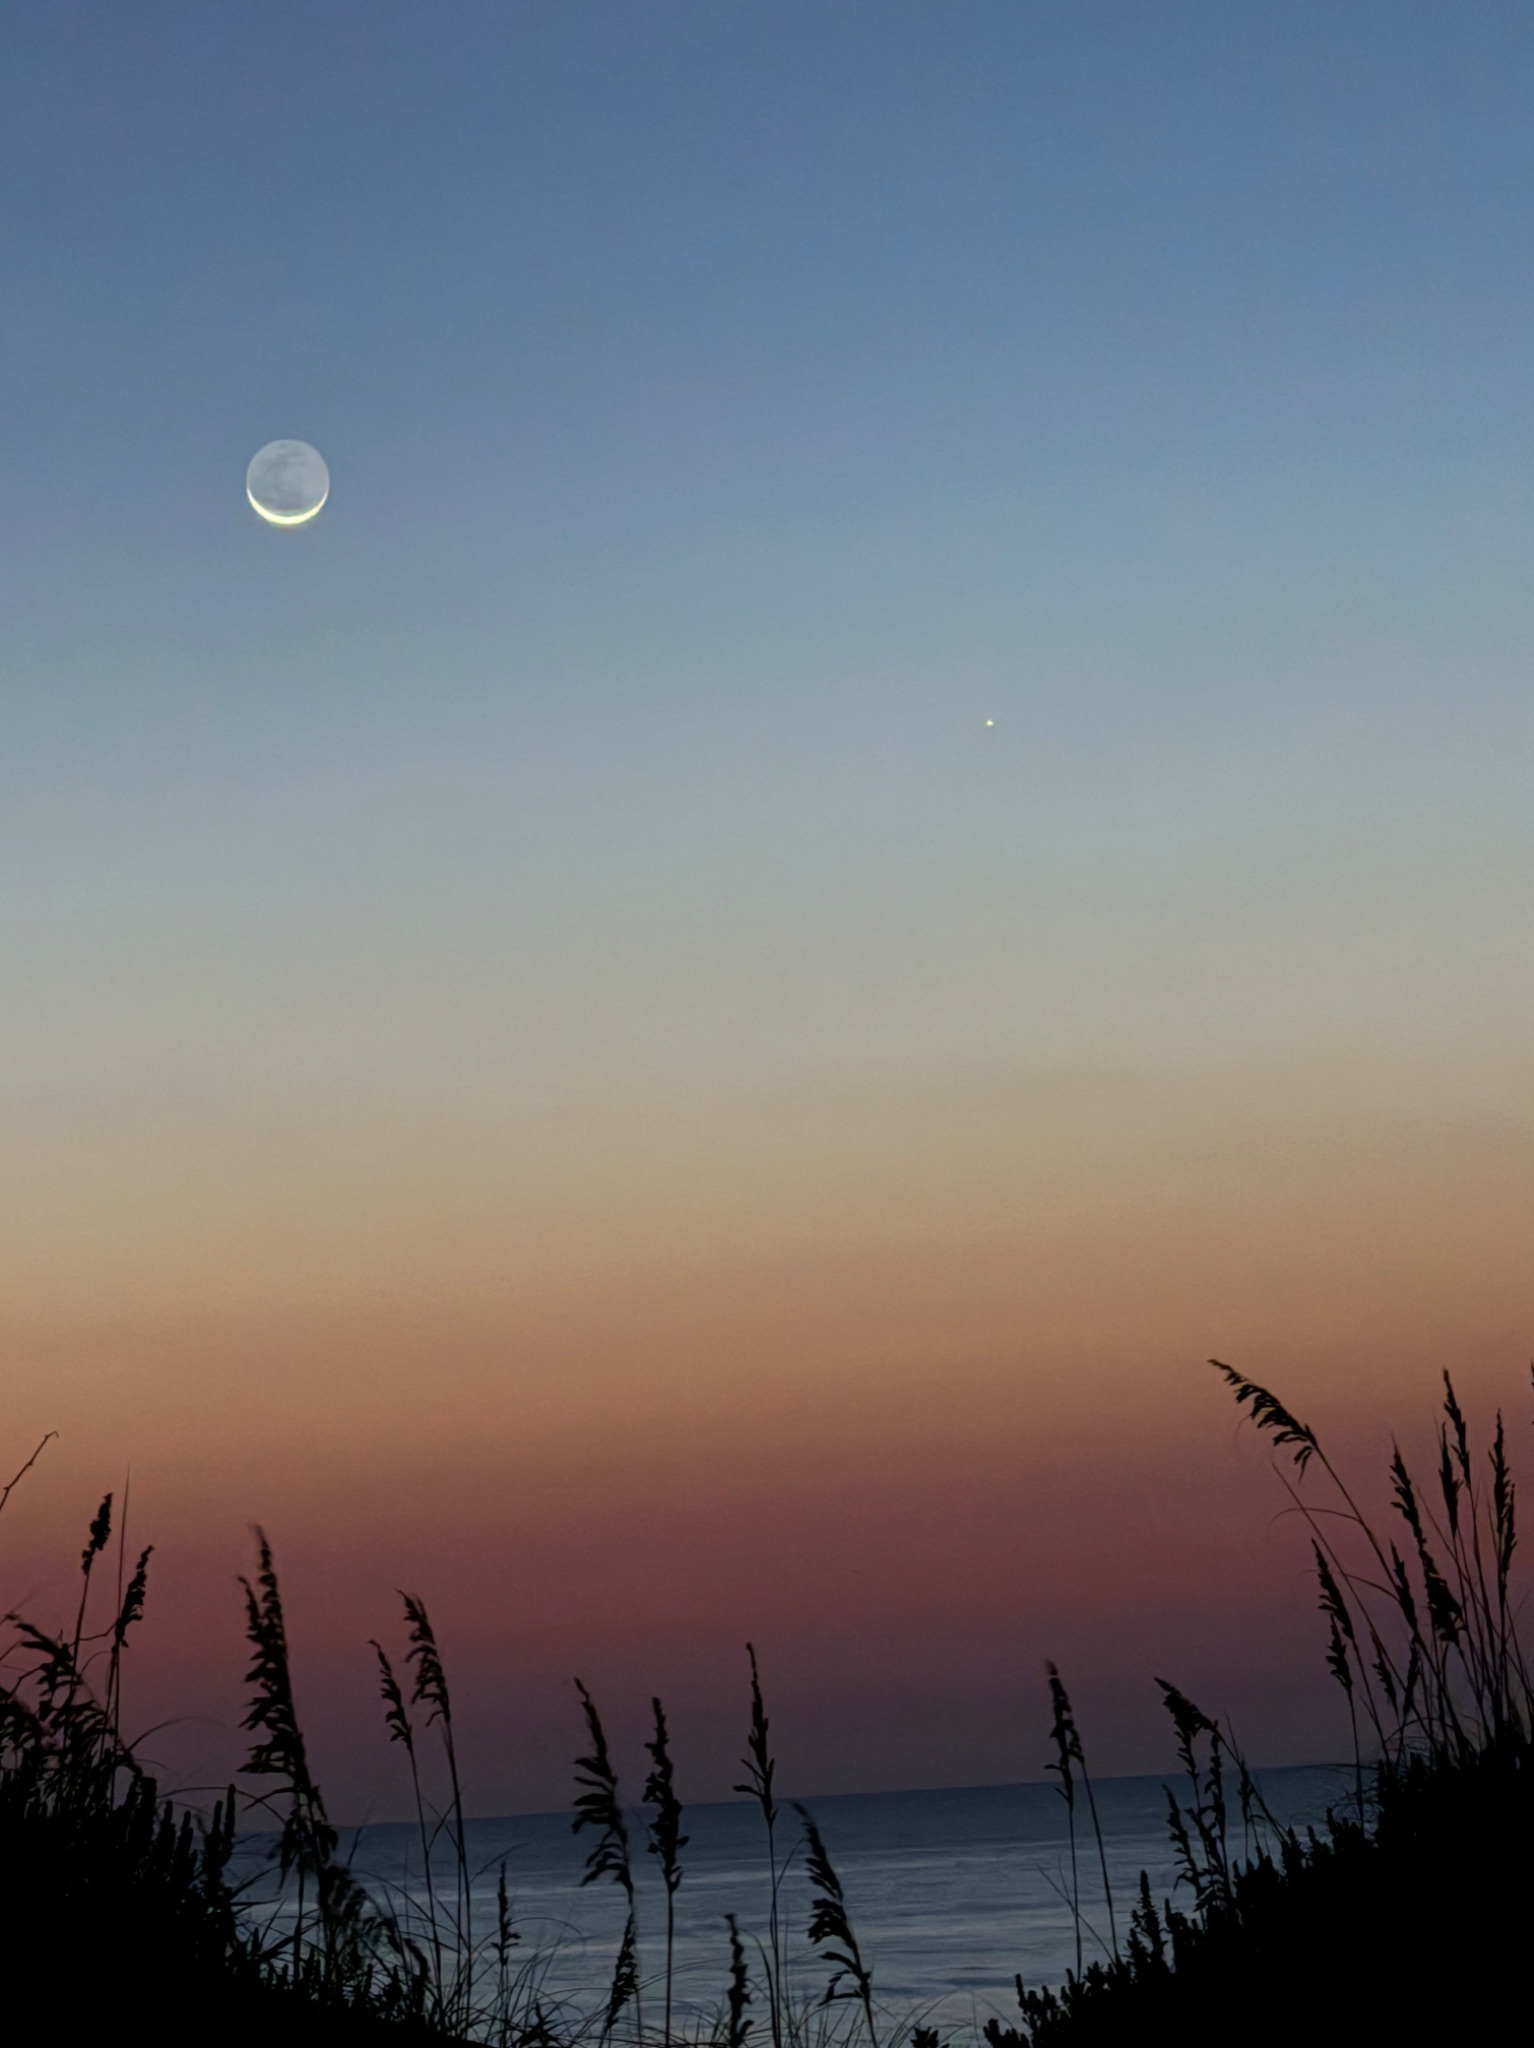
(1403, 1916)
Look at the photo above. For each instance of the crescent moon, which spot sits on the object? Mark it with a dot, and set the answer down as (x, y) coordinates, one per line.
(287, 483)
(286, 518)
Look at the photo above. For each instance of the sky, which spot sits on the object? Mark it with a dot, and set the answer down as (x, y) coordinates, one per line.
(890, 803)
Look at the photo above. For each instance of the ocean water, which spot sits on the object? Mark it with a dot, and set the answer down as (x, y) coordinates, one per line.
(952, 1894)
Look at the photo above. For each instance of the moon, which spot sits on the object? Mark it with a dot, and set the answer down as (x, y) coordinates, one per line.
(287, 483)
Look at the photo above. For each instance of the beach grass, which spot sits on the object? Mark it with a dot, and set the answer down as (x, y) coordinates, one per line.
(1404, 1917)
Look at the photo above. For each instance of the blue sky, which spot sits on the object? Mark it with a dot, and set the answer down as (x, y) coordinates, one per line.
(1083, 364)
(730, 410)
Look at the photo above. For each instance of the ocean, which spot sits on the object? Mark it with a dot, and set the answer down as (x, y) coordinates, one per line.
(952, 1894)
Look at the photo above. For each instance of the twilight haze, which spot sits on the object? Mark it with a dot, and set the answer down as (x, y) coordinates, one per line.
(892, 801)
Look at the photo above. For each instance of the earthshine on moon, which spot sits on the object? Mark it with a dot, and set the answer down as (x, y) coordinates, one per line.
(288, 483)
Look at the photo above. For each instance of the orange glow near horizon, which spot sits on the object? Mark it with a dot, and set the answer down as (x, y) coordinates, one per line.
(909, 1460)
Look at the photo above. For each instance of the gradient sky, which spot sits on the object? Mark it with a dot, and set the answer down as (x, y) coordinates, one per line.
(550, 1051)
